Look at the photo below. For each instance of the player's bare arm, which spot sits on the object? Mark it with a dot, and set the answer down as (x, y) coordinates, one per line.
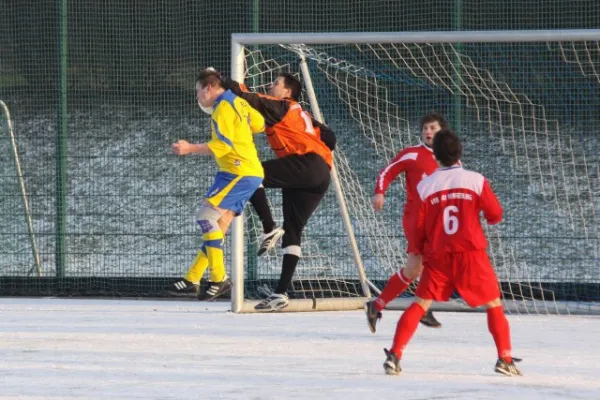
(183, 147)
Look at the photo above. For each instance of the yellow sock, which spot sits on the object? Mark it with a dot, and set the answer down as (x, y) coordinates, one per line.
(198, 267)
(214, 250)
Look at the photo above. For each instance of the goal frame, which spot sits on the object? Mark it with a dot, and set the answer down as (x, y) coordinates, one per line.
(239, 40)
(37, 264)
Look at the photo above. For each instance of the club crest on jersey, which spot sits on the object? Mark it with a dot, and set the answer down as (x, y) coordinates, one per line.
(237, 163)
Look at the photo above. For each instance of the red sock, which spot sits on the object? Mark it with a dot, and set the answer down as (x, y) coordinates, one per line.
(394, 286)
(407, 325)
(500, 330)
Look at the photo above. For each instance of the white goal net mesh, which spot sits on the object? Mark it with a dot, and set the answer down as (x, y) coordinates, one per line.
(528, 115)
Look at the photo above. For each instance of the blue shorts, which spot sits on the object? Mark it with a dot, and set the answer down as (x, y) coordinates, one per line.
(232, 192)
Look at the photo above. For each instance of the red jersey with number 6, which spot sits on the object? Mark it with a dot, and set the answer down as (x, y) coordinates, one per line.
(451, 201)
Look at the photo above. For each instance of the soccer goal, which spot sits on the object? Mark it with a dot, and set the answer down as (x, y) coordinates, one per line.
(525, 104)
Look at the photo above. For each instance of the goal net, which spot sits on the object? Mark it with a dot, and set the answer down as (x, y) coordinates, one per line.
(526, 107)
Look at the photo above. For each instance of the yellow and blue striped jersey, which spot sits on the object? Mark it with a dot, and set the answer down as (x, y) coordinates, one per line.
(233, 123)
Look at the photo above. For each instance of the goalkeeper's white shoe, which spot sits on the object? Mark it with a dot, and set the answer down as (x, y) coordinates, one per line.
(274, 302)
(269, 240)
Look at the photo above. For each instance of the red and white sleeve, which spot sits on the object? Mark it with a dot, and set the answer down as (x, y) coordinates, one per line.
(390, 172)
(492, 210)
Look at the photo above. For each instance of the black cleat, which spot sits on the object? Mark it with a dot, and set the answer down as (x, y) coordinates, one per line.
(430, 321)
(391, 366)
(216, 289)
(507, 368)
(373, 315)
(269, 240)
(183, 288)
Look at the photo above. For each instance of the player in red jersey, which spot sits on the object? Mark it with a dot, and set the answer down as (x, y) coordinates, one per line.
(416, 162)
(448, 231)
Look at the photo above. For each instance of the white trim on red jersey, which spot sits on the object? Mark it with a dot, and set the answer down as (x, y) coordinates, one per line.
(409, 155)
(441, 180)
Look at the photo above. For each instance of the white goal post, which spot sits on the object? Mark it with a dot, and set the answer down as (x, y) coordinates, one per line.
(37, 264)
(558, 173)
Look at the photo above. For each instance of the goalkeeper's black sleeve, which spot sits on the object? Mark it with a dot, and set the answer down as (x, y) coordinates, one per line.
(273, 110)
(327, 135)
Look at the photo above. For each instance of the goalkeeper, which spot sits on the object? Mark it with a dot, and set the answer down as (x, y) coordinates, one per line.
(301, 170)
(240, 173)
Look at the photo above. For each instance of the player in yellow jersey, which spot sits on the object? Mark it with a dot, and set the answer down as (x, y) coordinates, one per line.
(233, 122)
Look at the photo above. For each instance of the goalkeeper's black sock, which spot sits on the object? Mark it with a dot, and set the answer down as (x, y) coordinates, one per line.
(287, 272)
(261, 206)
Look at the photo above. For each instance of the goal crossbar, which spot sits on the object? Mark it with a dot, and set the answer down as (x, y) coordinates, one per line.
(416, 37)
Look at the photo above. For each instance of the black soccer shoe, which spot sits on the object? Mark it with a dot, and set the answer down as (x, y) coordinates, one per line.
(507, 368)
(373, 315)
(215, 290)
(391, 366)
(183, 288)
(430, 321)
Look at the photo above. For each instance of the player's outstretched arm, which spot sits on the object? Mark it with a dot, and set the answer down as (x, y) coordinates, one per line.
(183, 147)
(272, 109)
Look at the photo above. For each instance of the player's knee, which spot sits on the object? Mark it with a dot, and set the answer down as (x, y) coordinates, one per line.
(425, 304)
(293, 250)
(290, 238)
(494, 303)
(208, 219)
(414, 267)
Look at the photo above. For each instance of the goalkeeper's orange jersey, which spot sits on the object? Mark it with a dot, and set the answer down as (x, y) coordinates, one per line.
(290, 130)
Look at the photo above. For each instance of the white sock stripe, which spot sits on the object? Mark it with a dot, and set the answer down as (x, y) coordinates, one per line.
(293, 250)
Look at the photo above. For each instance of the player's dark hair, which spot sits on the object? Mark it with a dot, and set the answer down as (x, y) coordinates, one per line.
(434, 117)
(292, 83)
(209, 77)
(447, 147)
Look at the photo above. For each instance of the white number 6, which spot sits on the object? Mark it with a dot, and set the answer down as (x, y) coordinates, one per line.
(450, 221)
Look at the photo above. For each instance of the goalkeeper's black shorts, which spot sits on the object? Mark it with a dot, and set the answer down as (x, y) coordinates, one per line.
(304, 180)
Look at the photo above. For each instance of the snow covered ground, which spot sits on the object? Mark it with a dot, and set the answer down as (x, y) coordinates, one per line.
(155, 349)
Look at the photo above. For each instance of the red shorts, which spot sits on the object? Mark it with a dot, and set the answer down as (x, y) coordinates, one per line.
(470, 273)
(408, 224)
